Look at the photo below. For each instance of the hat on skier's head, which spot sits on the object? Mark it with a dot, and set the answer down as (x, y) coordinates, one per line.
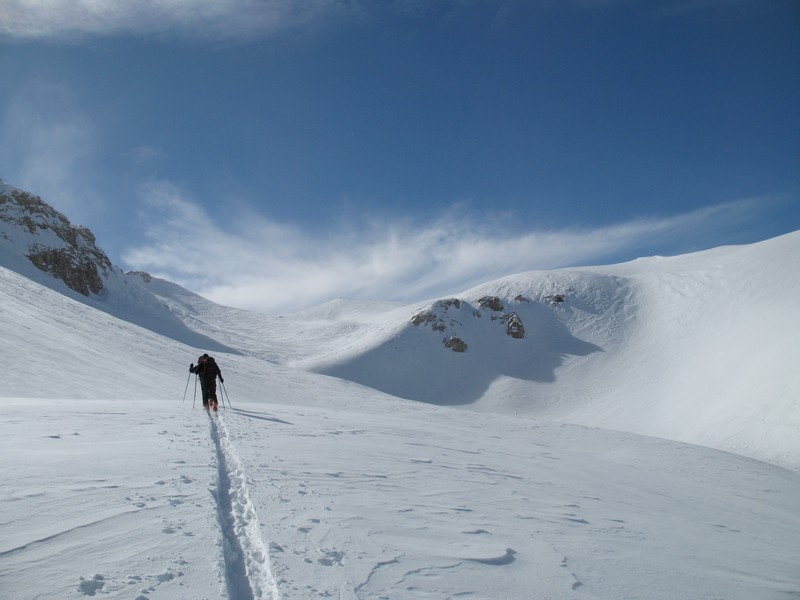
(205, 355)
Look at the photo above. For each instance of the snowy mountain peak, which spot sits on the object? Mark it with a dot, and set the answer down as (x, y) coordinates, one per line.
(40, 243)
(51, 243)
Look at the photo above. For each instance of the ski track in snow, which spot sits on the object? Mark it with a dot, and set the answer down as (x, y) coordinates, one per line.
(248, 574)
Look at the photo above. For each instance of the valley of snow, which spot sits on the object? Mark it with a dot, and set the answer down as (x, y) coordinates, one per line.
(642, 441)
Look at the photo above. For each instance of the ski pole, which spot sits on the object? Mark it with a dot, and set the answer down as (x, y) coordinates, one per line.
(194, 397)
(225, 394)
(186, 389)
(222, 386)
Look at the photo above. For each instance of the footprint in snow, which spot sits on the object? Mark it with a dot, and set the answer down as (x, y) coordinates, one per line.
(332, 557)
(90, 587)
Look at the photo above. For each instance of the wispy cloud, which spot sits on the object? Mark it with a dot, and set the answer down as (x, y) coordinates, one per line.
(217, 19)
(261, 265)
(248, 19)
(146, 155)
(48, 145)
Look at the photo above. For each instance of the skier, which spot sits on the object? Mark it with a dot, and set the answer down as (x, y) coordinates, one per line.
(193, 369)
(208, 371)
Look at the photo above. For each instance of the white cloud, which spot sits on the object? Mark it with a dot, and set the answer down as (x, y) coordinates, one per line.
(238, 19)
(262, 265)
(146, 155)
(218, 19)
(48, 146)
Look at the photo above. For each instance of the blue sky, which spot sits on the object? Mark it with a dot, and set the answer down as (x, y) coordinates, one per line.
(276, 153)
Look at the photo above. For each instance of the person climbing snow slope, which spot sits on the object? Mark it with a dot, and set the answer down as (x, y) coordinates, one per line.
(208, 371)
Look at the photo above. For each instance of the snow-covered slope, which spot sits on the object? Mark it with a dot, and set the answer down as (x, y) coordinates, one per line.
(376, 482)
(40, 243)
(115, 485)
(710, 354)
(698, 348)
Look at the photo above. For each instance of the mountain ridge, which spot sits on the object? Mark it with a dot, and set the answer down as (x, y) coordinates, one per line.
(41, 243)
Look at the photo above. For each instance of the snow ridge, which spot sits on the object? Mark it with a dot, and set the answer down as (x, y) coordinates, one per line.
(247, 570)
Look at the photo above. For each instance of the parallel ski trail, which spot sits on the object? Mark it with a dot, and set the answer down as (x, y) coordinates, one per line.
(248, 573)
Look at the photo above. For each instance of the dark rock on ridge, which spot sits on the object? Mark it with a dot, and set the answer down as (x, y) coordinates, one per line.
(72, 257)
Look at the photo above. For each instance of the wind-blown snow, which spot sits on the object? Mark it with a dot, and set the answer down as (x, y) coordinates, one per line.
(117, 485)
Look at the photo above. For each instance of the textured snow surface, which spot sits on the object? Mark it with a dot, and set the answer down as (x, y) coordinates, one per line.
(535, 483)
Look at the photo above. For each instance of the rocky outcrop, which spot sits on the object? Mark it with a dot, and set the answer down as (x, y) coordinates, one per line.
(449, 316)
(437, 316)
(422, 317)
(68, 266)
(492, 303)
(456, 344)
(143, 275)
(53, 244)
(514, 326)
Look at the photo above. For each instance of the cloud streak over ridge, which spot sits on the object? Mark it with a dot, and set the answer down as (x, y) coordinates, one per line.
(220, 19)
(262, 265)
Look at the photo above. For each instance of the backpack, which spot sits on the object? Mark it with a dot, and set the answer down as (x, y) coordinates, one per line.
(210, 368)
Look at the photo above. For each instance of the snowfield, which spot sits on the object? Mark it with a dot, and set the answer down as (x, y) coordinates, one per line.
(641, 442)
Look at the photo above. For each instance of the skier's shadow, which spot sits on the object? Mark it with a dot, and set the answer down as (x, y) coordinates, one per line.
(260, 416)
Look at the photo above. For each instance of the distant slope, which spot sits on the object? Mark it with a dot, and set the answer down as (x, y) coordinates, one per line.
(54, 347)
(699, 348)
(292, 340)
(711, 356)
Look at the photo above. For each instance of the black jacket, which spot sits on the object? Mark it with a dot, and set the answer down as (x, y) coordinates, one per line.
(208, 370)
